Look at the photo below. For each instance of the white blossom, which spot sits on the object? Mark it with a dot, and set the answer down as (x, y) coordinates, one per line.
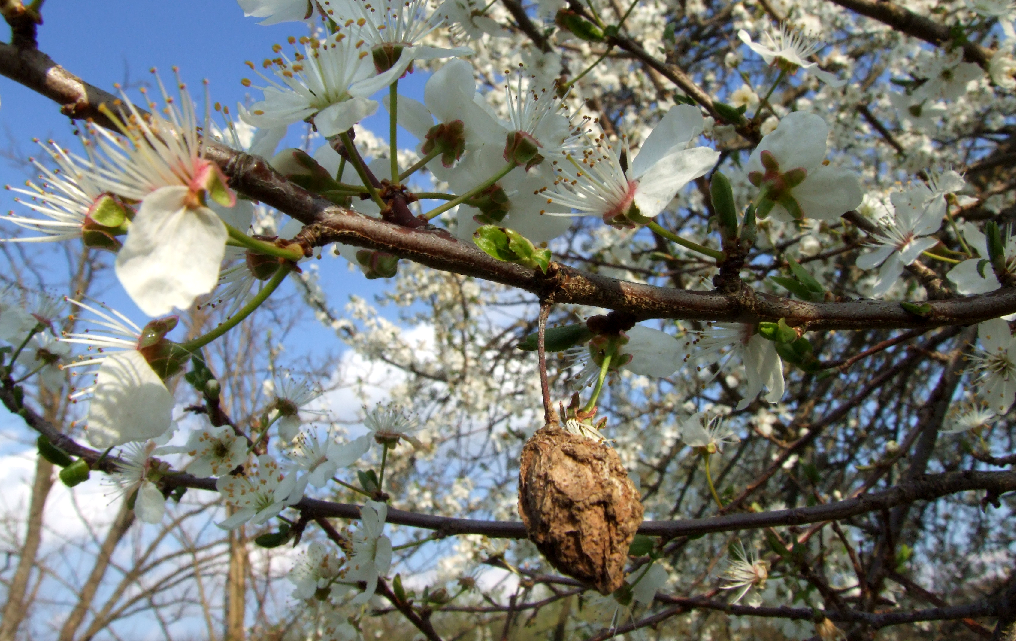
(790, 49)
(763, 367)
(216, 451)
(995, 365)
(133, 476)
(372, 550)
(315, 569)
(276, 11)
(788, 163)
(707, 433)
(257, 495)
(744, 571)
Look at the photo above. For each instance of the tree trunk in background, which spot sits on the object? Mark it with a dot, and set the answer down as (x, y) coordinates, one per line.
(16, 608)
(116, 532)
(236, 585)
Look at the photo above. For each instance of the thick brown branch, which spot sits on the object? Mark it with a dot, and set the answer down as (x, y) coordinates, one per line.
(327, 223)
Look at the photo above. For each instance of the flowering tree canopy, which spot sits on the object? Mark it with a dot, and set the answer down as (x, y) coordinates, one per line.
(723, 287)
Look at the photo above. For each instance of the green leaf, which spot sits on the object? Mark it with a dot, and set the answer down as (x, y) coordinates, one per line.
(52, 453)
(578, 26)
(981, 265)
(400, 592)
(776, 546)
(801, 274)
(528, 254)
(557, 339)
(794, 286)
(810, 471)
(494, 242)
(368, 480)
(510, 246)
(903, 554)
(923, 310)
(274, 539)
(733, 115)
(799, 353)
(724, 205)
(641, 545)
(996, 248)
(75, 473)
(778, 332)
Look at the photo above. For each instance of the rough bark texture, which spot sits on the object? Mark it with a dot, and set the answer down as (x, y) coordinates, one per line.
(578, 505)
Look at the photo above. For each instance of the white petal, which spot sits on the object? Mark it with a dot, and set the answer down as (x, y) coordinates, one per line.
(171, 254)
(798, 141)
(338, 118)
(888, 274)
(828, 193)
(994, 335)
(150, 505)
(681, 124)
(654, 353)
(873, 259)
(663, 180)
(914, 249)
(351, 452)
(968, 281)
(413, 115)
(130, 402)
(975, 238)
(369, 86)
(239, 518)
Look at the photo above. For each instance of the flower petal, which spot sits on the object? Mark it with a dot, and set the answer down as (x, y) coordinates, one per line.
(172, 253)
(663, 180)
(798, 141)
(828, 193)
(130, 402)
(150, 504)
(679, 126)
(654, 353)
(338, 118)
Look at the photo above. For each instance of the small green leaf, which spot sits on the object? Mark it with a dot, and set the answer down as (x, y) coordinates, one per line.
(557, 339)
(794, 286)
(641, 545)
(75, 473)
(903, 554)
(778, 332)
(724, 205)
(981, 266)
(801, 274)
(776, 546)
(733, 115)
(923, 309)
(996, 248)
(578, 26)
(52, 453)
(494, 242)
(528, 254)
(274, 539)
(400, 592)
(810, 471)
(368, 480)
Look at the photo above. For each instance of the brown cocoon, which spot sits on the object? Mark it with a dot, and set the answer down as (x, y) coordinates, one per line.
(578, 505)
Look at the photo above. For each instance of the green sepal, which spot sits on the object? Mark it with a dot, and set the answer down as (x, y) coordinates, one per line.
(801, 274)
(733, 115)
(368, 480)
(578, 26)
(923, 309)
(724, 206)
(641, 545)
(981, 266)
(75, 473)
(778, 332)
(400, 592)
(52, 453)
(557, 339)
(107, 212)
(274, 539)
(510, 246)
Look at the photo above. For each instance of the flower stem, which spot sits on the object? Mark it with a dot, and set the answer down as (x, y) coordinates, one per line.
(687, 244)
(361, 168)
(434, 213)
(393, 126)
(952, 261)
(433, 195)
(604, 368)
(709, 480)
(956, 230)
(17, 352)
(404, 546)
(245, 311)
(381, 474)
(261, 247)
(349, 486)
(30, 374)
(566, 86)
(420, 164)
(765, 101)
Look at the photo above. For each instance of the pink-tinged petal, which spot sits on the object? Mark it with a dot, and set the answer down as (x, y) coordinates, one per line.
(130, 402)
(663, 180)
(340, 117)
(969, 281)
(172, 253)
(828, 193)
(798, 141)
(679, 126)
